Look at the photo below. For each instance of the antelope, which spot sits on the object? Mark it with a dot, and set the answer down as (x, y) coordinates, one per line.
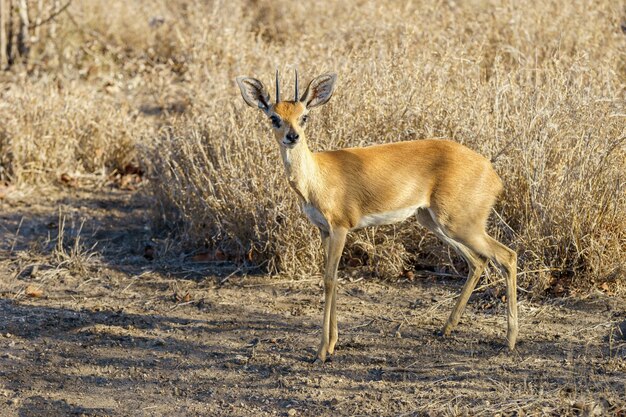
(448, 187)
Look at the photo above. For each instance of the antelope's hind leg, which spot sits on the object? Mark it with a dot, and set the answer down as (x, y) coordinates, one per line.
(475, 262)
(476, 265)
(505, 259)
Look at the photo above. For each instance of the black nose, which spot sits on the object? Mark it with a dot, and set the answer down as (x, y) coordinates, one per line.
(292, 137)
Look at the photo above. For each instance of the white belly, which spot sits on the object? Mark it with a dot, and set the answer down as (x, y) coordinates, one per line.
(388, 217)
(315, 216)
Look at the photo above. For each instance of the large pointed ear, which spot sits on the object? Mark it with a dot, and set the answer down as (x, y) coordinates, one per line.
(319, 91)
(254, 93)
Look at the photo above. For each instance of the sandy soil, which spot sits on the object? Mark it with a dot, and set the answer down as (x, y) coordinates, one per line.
(103, 331)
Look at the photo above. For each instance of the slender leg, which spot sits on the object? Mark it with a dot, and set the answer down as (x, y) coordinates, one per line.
(337, 240)
(476, 263)
(506, 260)
(477, 266)
(477, 247)
(511, 298)
(334, 333)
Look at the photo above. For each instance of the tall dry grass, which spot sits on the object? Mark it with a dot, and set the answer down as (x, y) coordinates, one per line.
(537, 87)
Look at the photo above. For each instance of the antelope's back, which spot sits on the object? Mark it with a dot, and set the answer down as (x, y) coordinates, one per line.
(443, 174)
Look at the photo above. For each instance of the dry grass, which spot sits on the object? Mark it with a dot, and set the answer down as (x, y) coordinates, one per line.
(46, 261)
(51, 130)
(538, 87)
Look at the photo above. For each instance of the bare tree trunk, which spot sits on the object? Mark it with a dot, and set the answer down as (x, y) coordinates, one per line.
(3, 35)
(23, 38)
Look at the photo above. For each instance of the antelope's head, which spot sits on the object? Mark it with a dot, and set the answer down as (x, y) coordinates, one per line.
(288, 118)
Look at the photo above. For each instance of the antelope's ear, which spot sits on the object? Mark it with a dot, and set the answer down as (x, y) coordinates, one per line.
(319, 91)
(254, 93)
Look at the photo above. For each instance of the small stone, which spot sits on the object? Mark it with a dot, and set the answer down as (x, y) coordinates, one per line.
(240, 360)
(292, 412)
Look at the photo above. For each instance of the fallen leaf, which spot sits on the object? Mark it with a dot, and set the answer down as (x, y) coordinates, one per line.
(33, 291)
(220, 255)
(68, 180)
(127, 183)
(131, 169)
(202, 257)
(182, 298)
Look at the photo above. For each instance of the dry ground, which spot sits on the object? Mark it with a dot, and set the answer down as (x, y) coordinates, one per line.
(115, 334)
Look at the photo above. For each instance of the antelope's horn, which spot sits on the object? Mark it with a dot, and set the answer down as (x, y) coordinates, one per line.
(295, 98)
(277, 89)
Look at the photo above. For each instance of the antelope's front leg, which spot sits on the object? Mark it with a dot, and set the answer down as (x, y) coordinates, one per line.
(336, 241)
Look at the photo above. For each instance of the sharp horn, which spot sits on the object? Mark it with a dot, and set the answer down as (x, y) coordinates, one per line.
(295, 98)
(277, 88)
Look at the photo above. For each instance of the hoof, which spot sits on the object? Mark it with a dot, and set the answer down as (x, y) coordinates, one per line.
(443, 332)
(511, 345)
(511, 338)
(319, 359)
(446, 331)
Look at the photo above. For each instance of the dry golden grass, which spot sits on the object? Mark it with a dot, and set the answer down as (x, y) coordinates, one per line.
(51, 130)
(536, 86)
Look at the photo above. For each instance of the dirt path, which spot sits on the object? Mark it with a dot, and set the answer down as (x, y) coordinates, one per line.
(115, 334)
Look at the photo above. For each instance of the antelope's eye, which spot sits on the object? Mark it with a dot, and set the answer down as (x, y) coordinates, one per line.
(275, 121)
(304, 119)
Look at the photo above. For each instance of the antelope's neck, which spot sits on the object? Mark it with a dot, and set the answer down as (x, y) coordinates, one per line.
(301, 169)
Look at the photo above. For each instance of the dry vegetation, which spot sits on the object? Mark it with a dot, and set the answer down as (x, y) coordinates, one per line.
(538, 87)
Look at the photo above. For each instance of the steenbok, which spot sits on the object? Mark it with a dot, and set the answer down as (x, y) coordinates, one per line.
(449, 188)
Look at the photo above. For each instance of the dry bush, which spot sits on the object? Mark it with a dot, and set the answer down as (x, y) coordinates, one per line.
(230, 193)
(537, 87)
(50, 131)
(79, 105)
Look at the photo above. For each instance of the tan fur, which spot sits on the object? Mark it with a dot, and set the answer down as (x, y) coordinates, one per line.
(349, 183)
(288, 110)
(451, 188)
